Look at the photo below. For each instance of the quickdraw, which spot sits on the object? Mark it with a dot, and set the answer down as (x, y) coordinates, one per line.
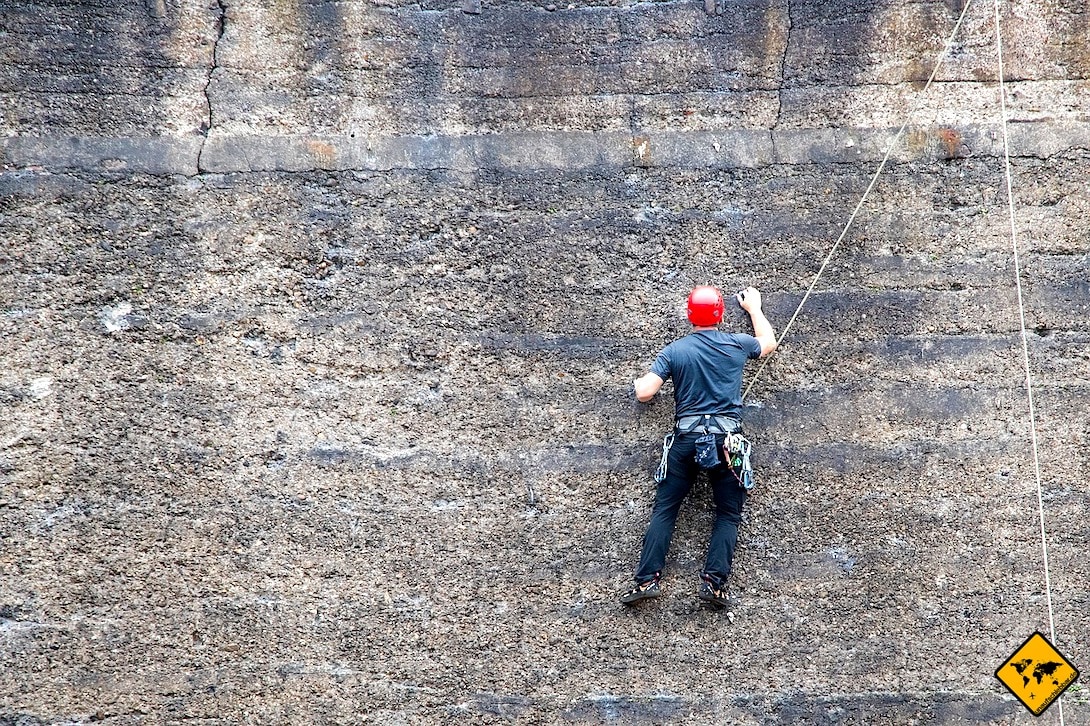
(736, 449)
(667, 442)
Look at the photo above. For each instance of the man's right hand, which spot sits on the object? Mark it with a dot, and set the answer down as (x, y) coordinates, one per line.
(749, 299)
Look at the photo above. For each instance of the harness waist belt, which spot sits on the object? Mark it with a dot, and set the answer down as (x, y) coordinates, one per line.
(715, 424)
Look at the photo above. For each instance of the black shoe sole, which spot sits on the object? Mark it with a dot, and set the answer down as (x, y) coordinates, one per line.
(635, 597)
(718, 603)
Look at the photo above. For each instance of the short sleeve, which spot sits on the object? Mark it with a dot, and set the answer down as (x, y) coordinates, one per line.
(661, 366)
(751, 345)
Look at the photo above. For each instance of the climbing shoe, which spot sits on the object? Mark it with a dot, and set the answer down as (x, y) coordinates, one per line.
(713, 593)
(641, 591)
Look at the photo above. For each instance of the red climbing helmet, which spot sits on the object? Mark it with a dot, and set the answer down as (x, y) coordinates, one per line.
(705, 306)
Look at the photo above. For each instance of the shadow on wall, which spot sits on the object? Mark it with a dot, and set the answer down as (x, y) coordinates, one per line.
(134, 69)
(356, 69)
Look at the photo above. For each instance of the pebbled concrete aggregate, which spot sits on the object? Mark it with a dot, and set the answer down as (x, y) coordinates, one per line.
(318, 324)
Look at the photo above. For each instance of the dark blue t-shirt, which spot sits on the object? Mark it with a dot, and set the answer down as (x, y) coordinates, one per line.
(706, 366)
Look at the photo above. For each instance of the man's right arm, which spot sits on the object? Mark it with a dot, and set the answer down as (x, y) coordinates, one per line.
(750, 301)
(647, 386)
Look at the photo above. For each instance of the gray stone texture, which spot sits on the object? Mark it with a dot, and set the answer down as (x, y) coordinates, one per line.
(318, 323)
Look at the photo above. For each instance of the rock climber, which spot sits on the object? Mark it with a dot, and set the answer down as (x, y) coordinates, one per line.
(706, 366)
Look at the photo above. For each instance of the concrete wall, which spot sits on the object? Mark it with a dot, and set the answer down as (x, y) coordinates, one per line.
(319, 322)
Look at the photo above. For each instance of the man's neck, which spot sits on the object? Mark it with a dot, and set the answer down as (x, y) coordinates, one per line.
(698, 328)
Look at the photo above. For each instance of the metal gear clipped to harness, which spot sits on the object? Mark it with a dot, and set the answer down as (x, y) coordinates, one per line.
(736, 449)
(660, 474)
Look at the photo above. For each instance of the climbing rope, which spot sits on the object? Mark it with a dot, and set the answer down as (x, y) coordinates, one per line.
(863, 199)
(1017, 280)
(1025, 335)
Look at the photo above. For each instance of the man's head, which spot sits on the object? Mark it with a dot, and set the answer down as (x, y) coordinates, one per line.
(705, 306)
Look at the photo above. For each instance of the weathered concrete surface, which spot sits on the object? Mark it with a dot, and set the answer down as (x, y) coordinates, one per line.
(319, 321)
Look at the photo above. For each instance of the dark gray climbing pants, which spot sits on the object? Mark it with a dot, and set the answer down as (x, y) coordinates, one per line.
(729, 497)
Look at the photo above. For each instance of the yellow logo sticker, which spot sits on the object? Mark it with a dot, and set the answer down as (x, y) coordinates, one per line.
(1036, 674)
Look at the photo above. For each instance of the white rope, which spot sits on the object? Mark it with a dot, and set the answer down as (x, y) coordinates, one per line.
(1025, 337)
(863, 199)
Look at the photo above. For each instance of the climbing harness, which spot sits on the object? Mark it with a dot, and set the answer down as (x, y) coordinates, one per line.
(736, 448)
(709, 422)
(1025, 335)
